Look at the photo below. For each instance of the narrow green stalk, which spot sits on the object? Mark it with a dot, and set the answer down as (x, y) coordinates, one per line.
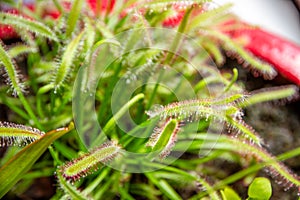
(104, 187)
(73, 17)
(111, 123)
(58, 6)
(104, 173)
(47, 172)
(269, 94)
(153, 94)
(15, 108)
(233, 80)
(30, 111)
(177, 40)
(55, 156)
(164, 187)
(70, 189)
(41, 91)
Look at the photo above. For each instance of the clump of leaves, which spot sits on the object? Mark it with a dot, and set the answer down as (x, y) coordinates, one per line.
(199, 109)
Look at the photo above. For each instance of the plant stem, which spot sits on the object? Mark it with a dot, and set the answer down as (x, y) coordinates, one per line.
(111, 123)
(30, 111)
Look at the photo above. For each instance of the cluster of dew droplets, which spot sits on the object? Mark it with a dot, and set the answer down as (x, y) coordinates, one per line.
(16, 141)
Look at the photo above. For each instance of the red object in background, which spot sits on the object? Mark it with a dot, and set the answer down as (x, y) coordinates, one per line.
(283, 54)
(6, 31)
(106, 5)
(175, 20)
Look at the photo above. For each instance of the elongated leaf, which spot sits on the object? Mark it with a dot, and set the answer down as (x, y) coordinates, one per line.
(27, 24)
(11, 72)
(89, 162)
(71, 190)
(164, 138)
(12, 171)
(164, 187)
(16, 134)
(73, 17)
(20, 49)
(65, 66)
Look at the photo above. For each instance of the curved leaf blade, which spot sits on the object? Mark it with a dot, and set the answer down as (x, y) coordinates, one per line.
(12, 171)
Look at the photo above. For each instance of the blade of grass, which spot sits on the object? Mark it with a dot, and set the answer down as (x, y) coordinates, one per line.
(164, 187)
(13, 170)
(111, 123)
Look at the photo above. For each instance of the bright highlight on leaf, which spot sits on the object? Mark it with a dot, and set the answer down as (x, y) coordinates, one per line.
(17, 135)
(89, 162)
(260, 188)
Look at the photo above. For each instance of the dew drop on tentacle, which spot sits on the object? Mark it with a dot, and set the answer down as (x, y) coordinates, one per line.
(155, 110)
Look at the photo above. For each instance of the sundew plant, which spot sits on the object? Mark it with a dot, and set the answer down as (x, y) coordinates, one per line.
(146, 108)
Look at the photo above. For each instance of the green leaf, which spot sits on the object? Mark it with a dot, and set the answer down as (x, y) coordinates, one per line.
(11, 71)
(260, 189)
(20, 49)
(63, 70)
(163, 138)
(16, 134)
(71, 190)
(89, 162)
(27, 24)
(229, 194)
(112, 122)
(164, 186)
(73, 17)
(12, 171)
